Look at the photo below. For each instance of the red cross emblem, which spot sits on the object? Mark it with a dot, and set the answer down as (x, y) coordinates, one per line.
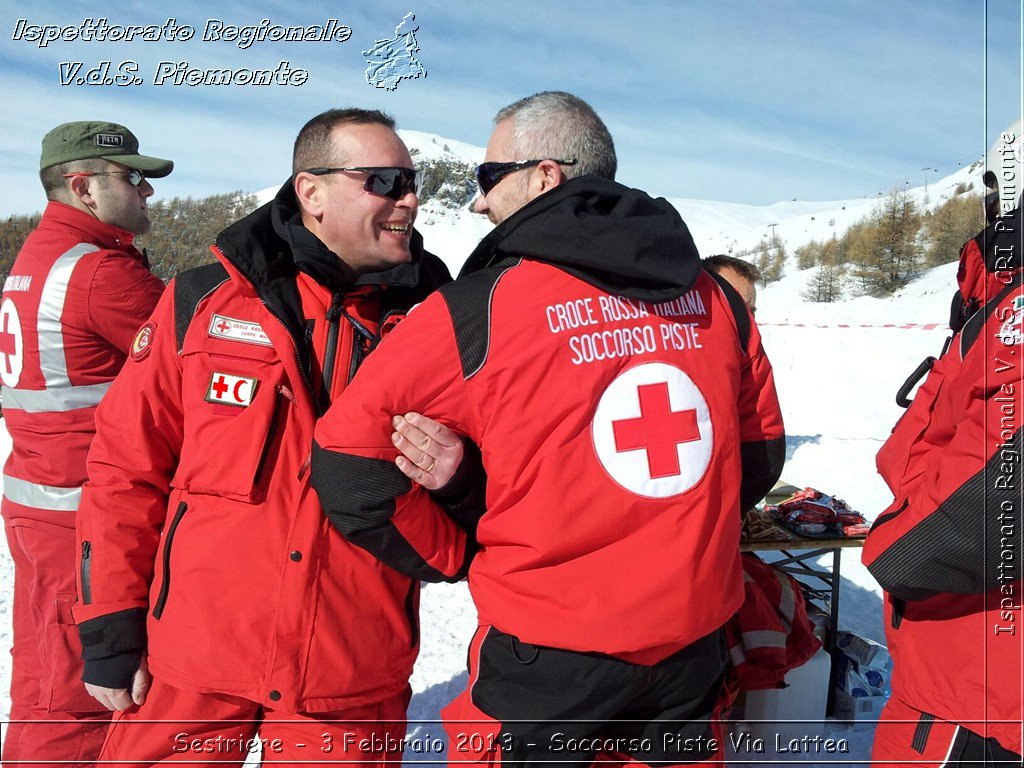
(220, 386)
(223, 326)
(10, 344)
(658, 430)
(226, 389)
(652, 431)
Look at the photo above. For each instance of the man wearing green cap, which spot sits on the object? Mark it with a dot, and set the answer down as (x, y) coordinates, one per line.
(71, 308)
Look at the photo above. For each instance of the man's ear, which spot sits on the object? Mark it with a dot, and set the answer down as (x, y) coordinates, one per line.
(80, 187)
(546, 177)
(309, 192)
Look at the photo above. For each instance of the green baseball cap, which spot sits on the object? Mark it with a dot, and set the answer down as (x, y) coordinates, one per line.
(91, 139)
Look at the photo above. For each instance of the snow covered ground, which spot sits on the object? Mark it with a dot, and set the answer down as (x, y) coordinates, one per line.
(837, 382)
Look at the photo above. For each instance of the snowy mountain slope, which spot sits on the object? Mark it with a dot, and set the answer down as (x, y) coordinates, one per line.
(836, 385)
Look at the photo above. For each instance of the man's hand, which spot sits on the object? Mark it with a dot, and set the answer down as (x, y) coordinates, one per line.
(121, 698)
(430, 451)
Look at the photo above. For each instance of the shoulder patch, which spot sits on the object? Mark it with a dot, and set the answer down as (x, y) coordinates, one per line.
(143, 342)
(469, 303)
(247, 331)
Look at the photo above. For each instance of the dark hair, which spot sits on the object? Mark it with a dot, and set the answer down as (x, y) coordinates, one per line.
(56, 186)
(560, 126)
(313, 146)
(744, 269)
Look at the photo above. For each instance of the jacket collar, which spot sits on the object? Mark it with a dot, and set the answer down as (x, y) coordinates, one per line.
(91, 228)
(613, 237)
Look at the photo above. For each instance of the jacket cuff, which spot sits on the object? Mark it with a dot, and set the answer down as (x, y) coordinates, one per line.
(112, 647)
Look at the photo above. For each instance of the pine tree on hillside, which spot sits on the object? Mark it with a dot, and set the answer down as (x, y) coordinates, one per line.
(13, 232)
(771, 260)
(888, 253)
(183, 229)
(808, 255)
(950, 226)
(829, 282)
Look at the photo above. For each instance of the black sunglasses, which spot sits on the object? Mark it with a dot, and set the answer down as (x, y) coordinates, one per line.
(489, 174)
(394, 183)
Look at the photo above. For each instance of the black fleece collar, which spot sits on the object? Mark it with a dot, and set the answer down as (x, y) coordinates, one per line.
(616, 238)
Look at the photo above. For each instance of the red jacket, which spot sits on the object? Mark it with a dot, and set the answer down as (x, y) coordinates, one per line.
(202, 539)
(75, 297)
(602, 379)
(770, 634)
(948, 549)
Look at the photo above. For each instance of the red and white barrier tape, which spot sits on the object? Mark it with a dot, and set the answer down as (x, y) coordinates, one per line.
(902, 327)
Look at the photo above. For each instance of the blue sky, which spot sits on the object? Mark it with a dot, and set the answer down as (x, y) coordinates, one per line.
(748, 102)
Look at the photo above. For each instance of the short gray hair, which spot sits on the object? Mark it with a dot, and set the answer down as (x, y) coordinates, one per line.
(559, 126)
(56, 186)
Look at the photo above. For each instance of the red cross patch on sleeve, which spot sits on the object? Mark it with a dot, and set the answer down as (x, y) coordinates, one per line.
(226, 389)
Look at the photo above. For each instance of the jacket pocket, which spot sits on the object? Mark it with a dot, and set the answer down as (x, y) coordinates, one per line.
(165, 583)
(891, 513)
(61, 683)
(234, 408)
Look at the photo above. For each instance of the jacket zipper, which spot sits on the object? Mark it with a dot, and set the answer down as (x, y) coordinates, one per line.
(360, 341)
(275, 417)
(161, 599)
(898, 607)
(410, 612)
(86, 565)
(333, 323)
(295, 341)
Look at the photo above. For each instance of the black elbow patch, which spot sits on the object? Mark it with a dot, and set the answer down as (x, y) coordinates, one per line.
(356, 492)
(358, 496)
(959, 548)
(762, 463)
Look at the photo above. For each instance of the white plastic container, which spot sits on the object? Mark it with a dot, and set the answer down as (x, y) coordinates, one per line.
(805, 698)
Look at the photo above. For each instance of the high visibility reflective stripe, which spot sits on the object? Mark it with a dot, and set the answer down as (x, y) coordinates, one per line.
(787, 600)
(52, 362)
(41, 496)
(60, 395)
(736, 654)
(764, 638)
(56, 399)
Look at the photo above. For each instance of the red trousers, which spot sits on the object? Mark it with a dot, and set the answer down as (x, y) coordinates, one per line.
(906, 737)
(52, 717)
(174, 725)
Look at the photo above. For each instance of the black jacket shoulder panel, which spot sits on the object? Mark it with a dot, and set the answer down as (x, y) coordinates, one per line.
(190, 288)
(469, 302)
(976, 322)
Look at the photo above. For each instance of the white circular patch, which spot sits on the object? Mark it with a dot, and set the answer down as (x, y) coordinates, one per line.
(652, 431)
(12, 347)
